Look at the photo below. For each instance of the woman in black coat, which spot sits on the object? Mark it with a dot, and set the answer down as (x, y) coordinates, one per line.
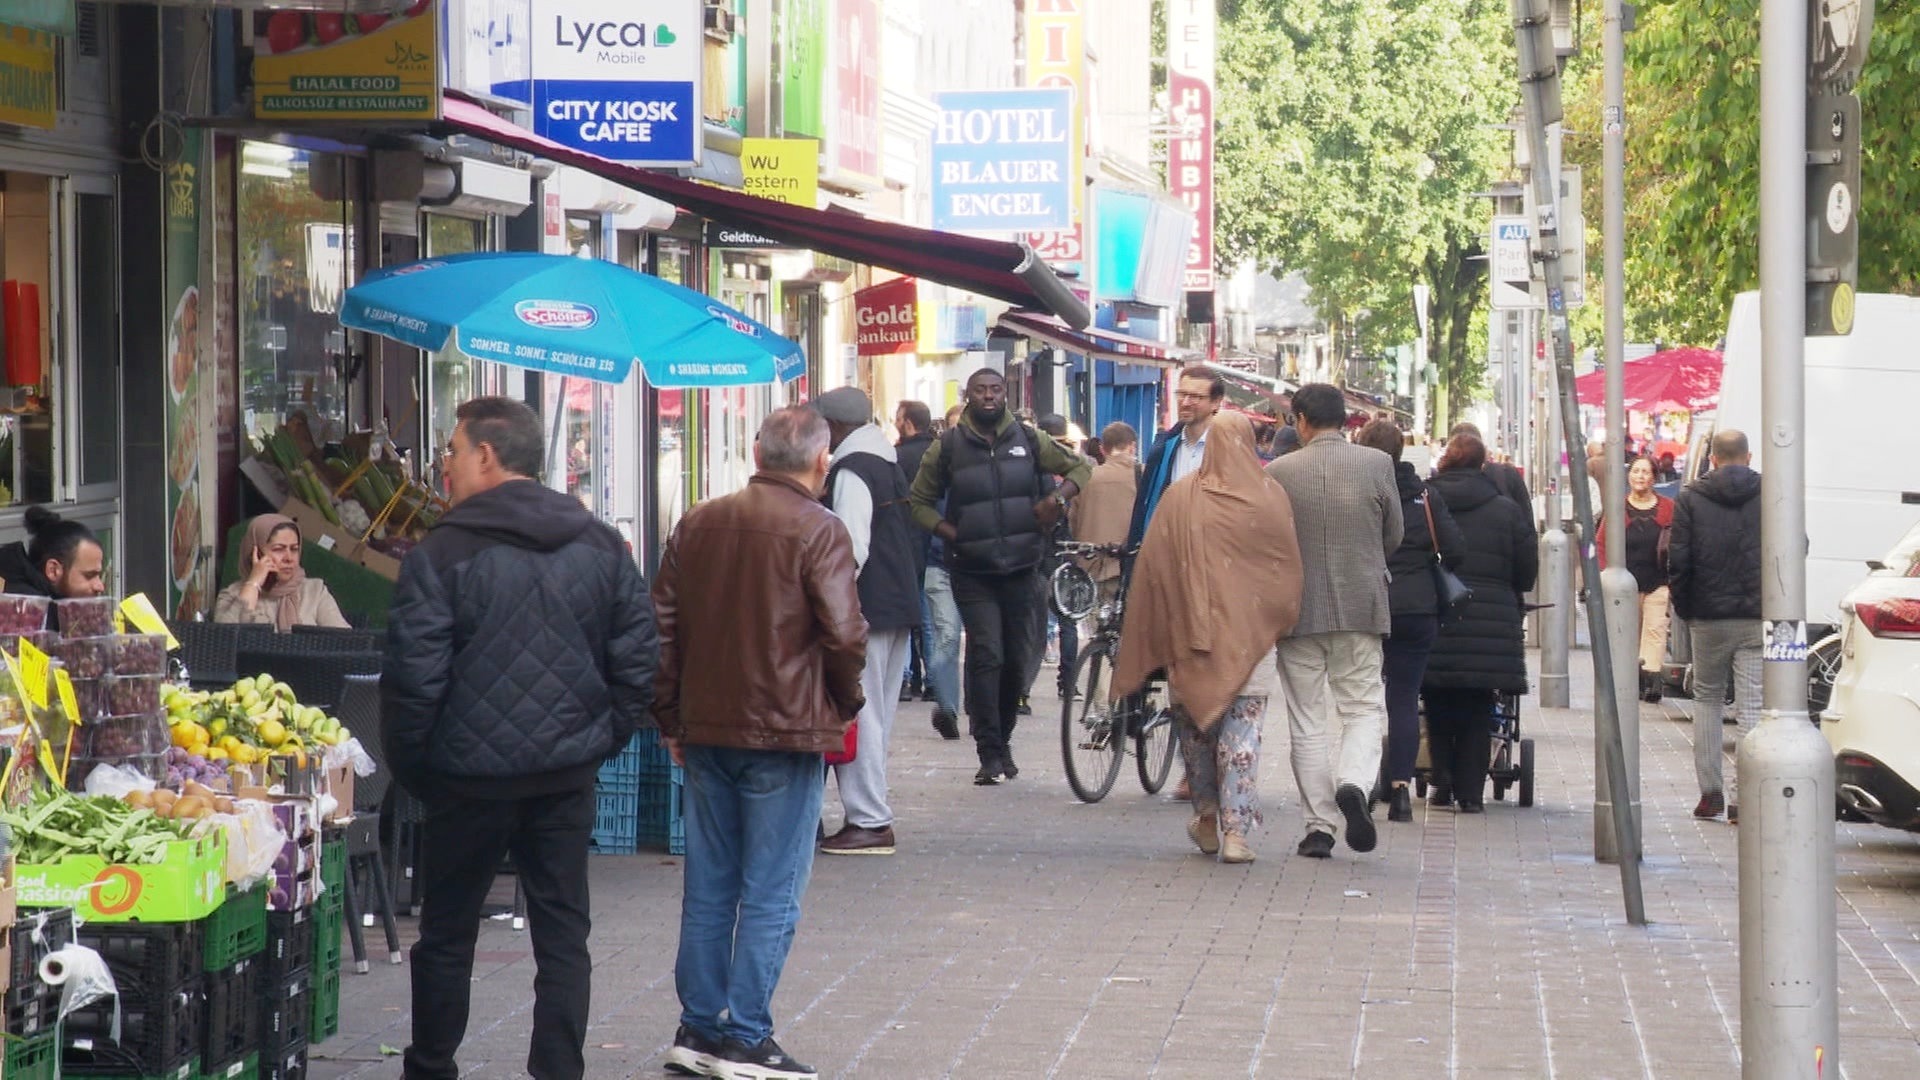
(1415, 606)
(1483, 651)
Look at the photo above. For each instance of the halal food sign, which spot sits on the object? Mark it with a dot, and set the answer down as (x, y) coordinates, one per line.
(886, 318)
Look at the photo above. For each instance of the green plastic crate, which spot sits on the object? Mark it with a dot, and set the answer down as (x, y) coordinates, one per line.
(237, 929)
(327, 927)
(326, 1005)
(247, 1068)
(333, 858)
(37, 1058)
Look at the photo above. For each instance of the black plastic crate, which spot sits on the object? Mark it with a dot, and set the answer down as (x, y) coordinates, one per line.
(32, 1009)
(229, 1032)
(286, 1063)
(289, 944)
(286, 1013)
(36, 933)
(148, 960)
(157, 1037)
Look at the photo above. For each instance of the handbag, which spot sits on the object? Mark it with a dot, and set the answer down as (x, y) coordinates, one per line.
(1452, 593)
(849, 749)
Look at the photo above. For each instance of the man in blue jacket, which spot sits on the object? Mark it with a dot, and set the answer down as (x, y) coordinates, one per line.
(1177, 452)
(520, 657)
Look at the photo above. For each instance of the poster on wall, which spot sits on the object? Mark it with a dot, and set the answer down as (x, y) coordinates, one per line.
(854, 138)
(189, 565)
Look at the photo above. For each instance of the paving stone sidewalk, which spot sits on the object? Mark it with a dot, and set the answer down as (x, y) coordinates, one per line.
(1019, 933)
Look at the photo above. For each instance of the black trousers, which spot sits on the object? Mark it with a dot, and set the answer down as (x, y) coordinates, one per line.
(1402, 664)
(1069, 645)
(1460, 739)
(464, 841)
(999, 613)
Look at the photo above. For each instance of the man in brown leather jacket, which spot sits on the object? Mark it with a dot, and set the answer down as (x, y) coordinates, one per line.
(759, 675)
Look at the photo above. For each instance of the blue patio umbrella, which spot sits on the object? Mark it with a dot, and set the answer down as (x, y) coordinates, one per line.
(571, 316)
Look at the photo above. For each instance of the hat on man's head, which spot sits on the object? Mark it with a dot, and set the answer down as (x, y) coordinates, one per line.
(844, 405)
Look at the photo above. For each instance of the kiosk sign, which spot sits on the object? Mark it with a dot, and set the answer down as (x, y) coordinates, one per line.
(620, 78)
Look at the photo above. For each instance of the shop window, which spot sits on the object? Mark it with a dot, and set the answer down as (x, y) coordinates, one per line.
(452, 376)
(576, 459)
(99, 331)
(296, 260)
(676, 484)
(27, 313)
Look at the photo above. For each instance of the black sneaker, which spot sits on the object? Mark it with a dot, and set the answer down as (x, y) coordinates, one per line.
(947, 724)
(693, 1054)
(1007, 768)
(989, 774)
(1353, 804)
(1317, 845)
(766, 1061)
(1025, 708)
(1400, 808)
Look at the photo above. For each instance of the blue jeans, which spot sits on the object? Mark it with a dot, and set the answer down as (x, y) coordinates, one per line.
(943, 640)
(751, 820)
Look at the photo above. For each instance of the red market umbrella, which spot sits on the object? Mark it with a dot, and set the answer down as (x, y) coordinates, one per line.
(1664, 382)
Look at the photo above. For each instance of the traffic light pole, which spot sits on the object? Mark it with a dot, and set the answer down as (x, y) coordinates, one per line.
(1540, 88)
(1789, 969)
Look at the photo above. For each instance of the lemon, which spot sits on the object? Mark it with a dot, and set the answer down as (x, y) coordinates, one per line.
(216, 753)
(271, 732)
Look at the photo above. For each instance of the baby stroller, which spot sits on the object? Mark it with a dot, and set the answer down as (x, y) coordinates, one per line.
(1511, 763)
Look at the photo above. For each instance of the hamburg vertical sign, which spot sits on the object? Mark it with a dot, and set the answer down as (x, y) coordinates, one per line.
(1190, 44)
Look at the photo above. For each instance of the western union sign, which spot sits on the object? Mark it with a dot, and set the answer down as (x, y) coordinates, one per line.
(26, 78)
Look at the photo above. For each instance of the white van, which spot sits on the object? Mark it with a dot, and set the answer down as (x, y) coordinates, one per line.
(1862, 442)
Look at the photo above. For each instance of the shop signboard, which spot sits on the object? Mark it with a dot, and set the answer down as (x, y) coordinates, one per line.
(1003, 160)
(1056, 34)
(803, 56)
(886, 318)
(784, 170)
(620, 78)
(189, 384)
(27, 82)
(53, 16)
(727, 237)
(324, 65)
(1190, 53)
(853, 143)
(490, 49)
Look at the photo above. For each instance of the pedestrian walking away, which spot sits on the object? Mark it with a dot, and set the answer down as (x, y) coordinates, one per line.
(1346, 512)
(1480, 653)
(520, 658)
(1216, 583)
(1103, 513)
(1713, 563)
(868, 493)
(1505, 475)
(1649, 532)
(762, 649)
(940, 618)
(913, 422)
(989, 468)
(1429, 533)
(1068, 632)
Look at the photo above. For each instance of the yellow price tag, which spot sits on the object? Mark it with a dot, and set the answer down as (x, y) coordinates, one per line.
(68, 699)
(35, 666)
(141, 613)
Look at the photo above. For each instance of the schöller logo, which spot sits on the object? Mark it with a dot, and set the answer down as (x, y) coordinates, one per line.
(556, 314)
(734, 322)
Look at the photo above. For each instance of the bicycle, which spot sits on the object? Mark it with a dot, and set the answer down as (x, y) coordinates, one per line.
(1095, 733)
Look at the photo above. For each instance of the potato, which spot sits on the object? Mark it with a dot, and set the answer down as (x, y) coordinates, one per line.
(194, 787)
(190, 806)
(142, 800)
(222, 804)
(163, 801)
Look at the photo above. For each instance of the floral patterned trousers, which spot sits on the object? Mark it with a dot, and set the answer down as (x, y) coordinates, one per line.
(1223, 765)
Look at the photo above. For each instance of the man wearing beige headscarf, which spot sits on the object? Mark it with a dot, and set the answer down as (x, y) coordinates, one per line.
(1216, 584)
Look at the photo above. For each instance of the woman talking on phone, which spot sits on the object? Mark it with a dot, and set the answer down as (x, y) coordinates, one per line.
(272, 589)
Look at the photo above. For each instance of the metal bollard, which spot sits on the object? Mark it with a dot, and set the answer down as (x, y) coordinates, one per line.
(1556, 622)
(1621, 595)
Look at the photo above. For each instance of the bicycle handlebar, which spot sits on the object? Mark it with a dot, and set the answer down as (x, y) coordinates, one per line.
(1075, 547)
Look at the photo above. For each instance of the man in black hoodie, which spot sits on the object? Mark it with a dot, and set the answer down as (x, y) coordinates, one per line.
(1713, 562)
(520, 657)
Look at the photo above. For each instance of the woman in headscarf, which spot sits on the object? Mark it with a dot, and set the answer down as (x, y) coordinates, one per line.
(1216, 583)
(273, 590)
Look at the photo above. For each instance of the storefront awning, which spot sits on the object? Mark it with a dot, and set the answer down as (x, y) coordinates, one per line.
(1007, 271)
(1093, 342)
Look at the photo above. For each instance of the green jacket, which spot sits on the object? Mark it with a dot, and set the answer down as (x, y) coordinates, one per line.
(1053, 457)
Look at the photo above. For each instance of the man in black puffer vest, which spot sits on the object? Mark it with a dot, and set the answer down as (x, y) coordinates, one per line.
(868, 493)
(998, 515)
(520, 658)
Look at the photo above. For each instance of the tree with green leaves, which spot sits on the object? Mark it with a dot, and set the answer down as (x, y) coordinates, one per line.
(1353, 137)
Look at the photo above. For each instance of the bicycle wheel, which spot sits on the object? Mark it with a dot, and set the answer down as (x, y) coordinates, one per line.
(1091, 740)
(1153, 750)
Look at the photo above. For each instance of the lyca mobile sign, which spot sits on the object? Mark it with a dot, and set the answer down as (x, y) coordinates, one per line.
(619, 78)
(1002, 160)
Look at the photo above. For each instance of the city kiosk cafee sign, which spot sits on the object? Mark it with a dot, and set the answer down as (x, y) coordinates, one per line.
(620, 78)
(1002, 160)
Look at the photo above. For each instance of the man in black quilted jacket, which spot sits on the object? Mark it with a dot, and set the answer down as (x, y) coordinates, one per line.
(520, 657)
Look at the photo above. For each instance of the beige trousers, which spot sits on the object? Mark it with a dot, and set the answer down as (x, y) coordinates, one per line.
(1653, 630)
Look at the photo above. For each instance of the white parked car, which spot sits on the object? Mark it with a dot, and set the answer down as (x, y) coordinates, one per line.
(1872, 718)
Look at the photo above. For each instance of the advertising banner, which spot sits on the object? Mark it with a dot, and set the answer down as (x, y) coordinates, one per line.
(803, 55)
(853, 143)
(324, 65)
(1057, 59)
(27, 86)
(784, 170)
(886, 318)
(620, 78)
(1004, 160)
(1190, 45)
(189, 383)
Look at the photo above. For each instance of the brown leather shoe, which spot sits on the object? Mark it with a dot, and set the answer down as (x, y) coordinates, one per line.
(854, 840)
(1711, 805)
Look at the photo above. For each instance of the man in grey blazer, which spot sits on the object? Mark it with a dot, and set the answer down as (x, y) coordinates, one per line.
(1346, 512)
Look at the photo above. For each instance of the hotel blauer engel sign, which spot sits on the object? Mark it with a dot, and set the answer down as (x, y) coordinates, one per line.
(1002, 160)
(620, 78)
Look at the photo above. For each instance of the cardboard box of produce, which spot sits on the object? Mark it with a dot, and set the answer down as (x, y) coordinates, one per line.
(340, 786)
(9, 911)
(188, 885)
(316, 529)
